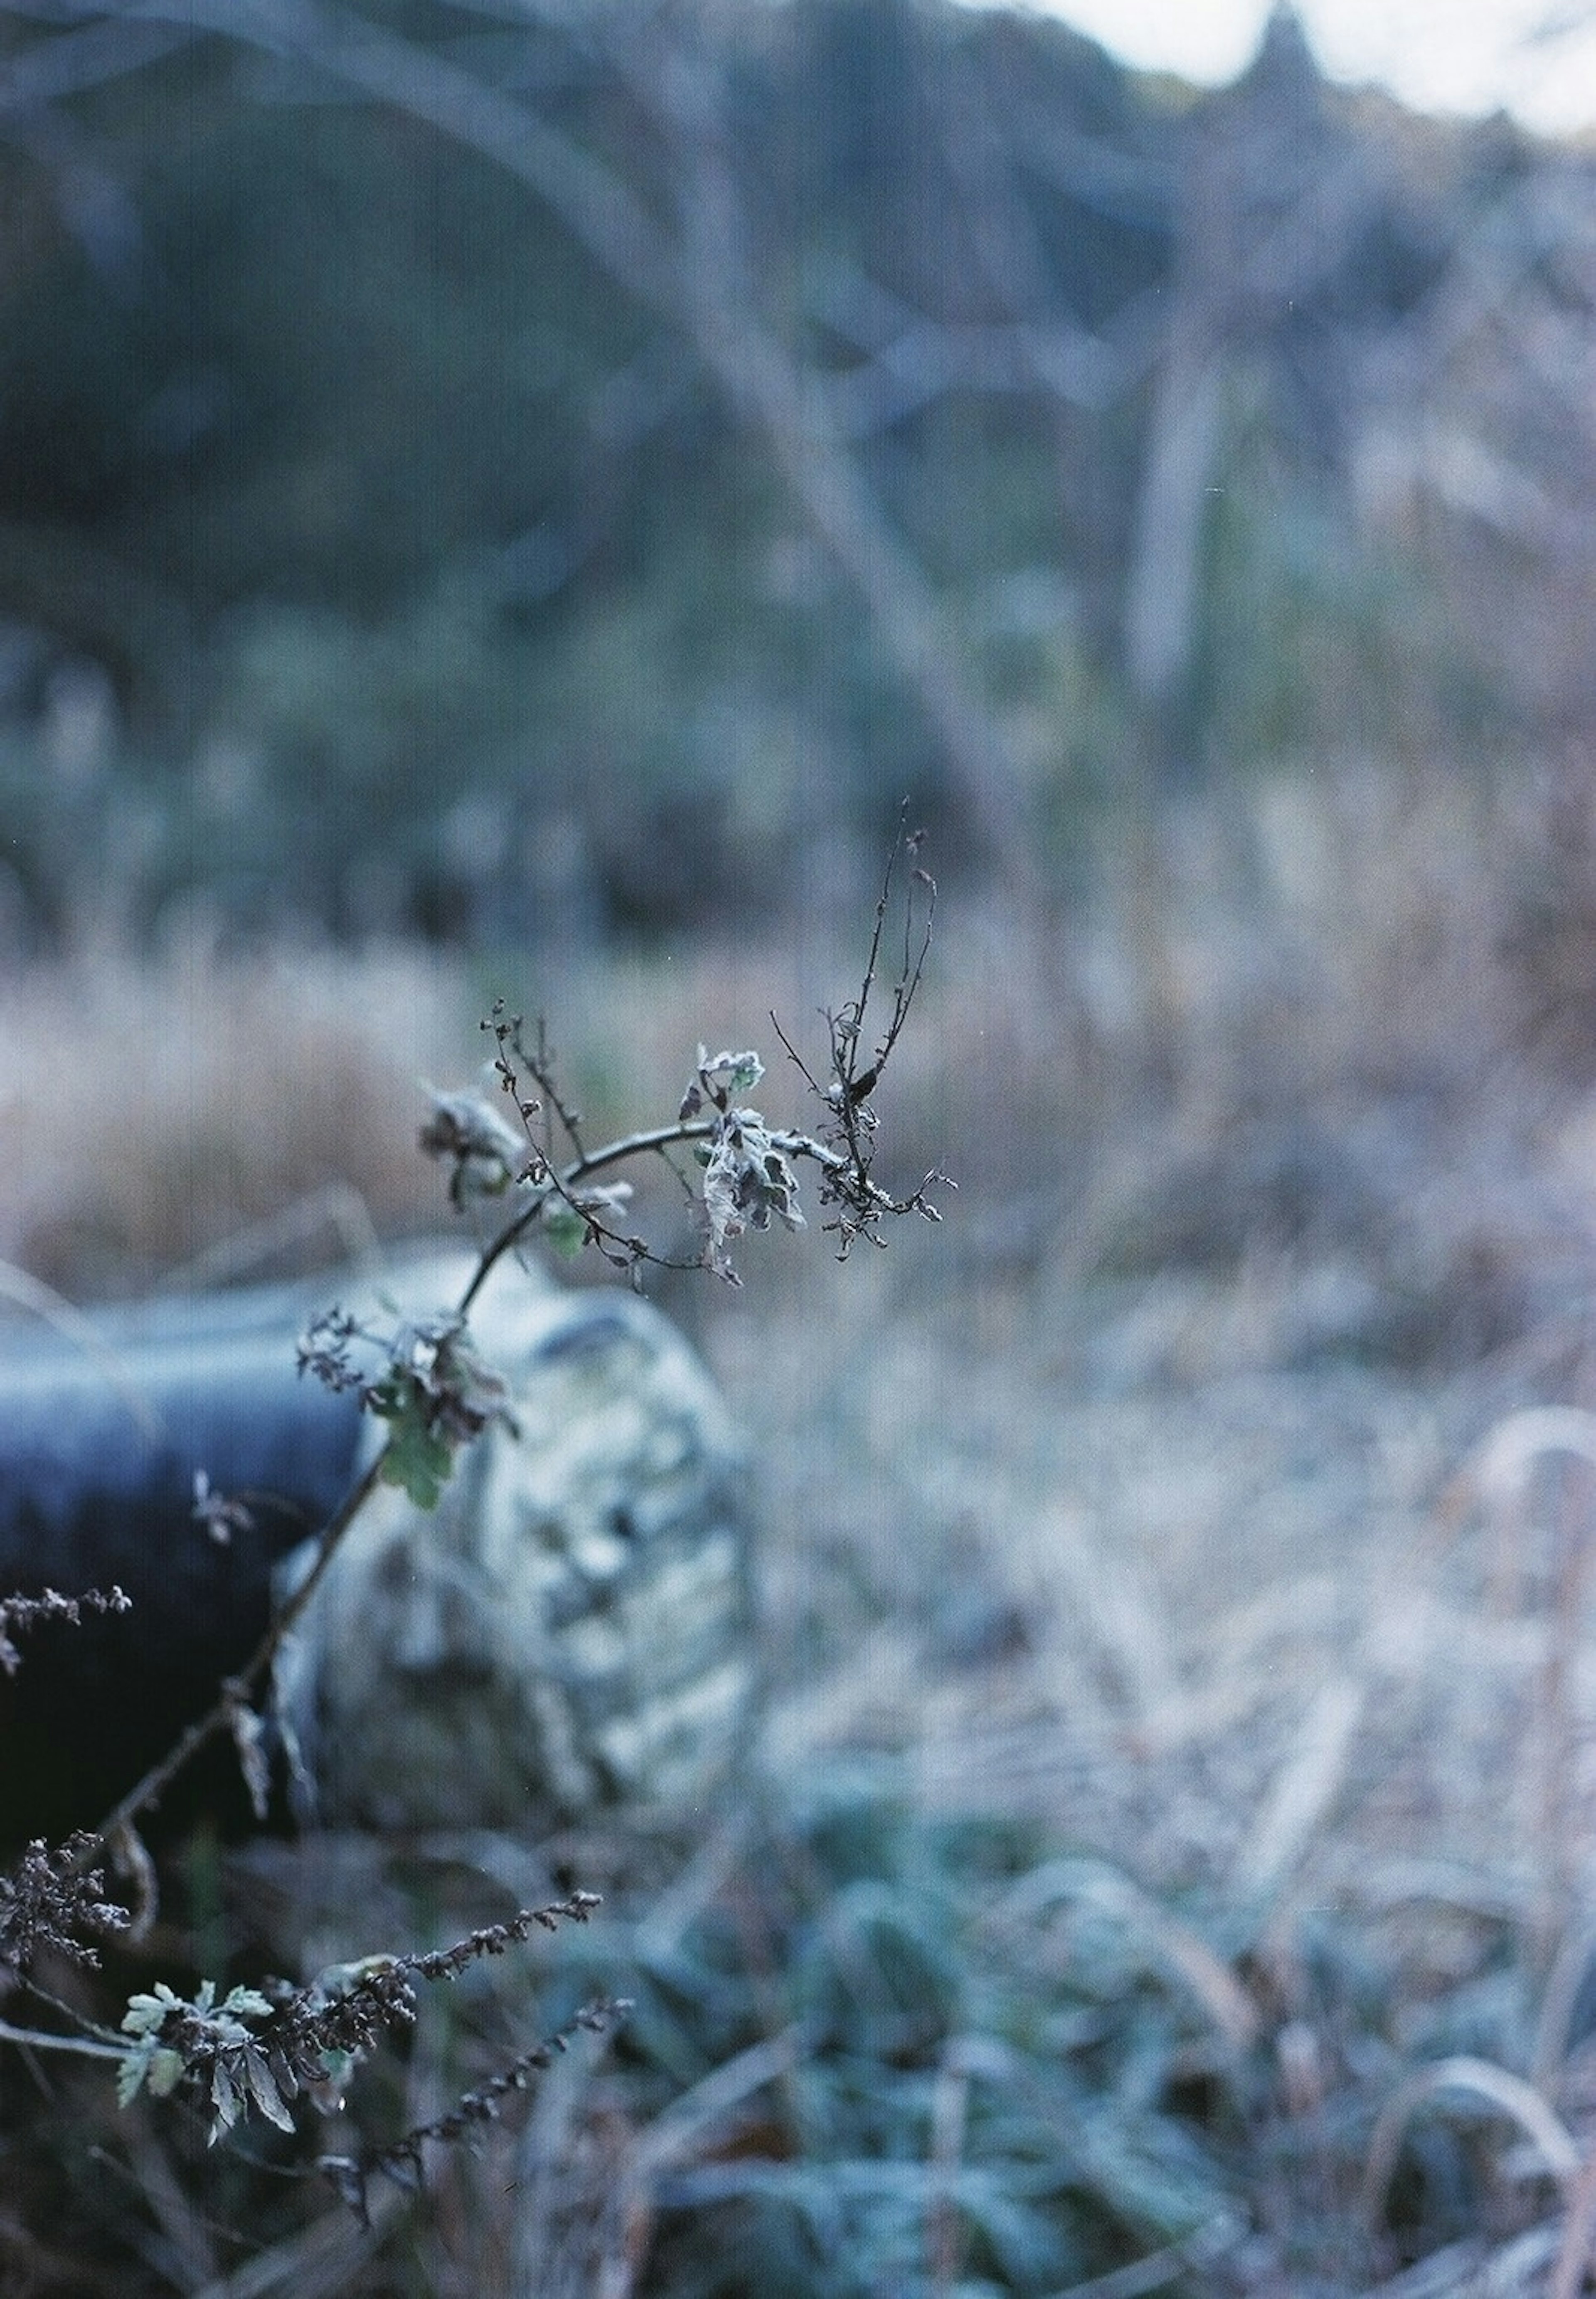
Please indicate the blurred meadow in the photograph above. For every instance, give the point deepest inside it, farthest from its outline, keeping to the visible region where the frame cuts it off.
(501, 500)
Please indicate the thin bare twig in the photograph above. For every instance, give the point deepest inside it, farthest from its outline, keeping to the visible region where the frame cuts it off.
(147, 1791)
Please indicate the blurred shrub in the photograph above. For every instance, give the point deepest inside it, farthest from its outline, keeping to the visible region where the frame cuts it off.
(443, 582)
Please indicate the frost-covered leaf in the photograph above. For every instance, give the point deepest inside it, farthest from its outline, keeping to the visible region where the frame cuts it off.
(335, 1982)
(146, 2014)
(725, 1074)
(166, 2070)
(485, 1149)
(263, 2087)
(132, 2069)
(748, 1182)
(249, 1739)
(244, 2003)
(227, 2099)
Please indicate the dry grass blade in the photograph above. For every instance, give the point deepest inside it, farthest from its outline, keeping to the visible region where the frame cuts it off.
(1509, 2093)
(1569, 1966)
(1504, 1463)
(1229, 2007)
(44, 1302)
(1579, 2234)
(674, 2137)
(1142, 2277)
(962, 2058)
(319, 2261)
(1119, 1609)
(187, 2237)
(338, 1207)
(1236, 1681)
(571, 2230)
(1501, 1473)
(1574, 2254)
(1467, 2270)
(1501, 1476)
(950, 2107)
(1303, 1792)
(682, 2127)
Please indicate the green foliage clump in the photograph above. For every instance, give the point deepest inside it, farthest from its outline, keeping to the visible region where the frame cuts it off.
(961, 2092)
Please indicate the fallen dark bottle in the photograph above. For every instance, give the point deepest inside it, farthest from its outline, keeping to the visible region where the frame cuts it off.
(180, 1457)
(568, 1629)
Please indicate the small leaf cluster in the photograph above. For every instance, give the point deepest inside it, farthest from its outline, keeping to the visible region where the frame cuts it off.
(748, 1176)
(436, 1396)
(174, 2036)
(847, 1149)
(484, 1151)
(486, 1156)
(264, 2048)
(433, 1388)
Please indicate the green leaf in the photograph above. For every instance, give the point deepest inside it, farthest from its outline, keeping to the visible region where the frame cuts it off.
(417, 1461)
(566, 1230)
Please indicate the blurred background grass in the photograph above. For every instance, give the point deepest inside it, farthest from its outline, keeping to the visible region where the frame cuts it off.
(496, 501)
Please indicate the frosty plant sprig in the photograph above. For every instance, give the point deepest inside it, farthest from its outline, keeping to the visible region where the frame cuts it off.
(425, 1380)
(746, 1165)
(430, 1386)
(259, 2051)
(264, 2048)
(432, 1389)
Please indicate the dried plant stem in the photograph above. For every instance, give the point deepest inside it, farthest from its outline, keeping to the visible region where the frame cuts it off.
(42, 1301)
(146, 1793)
(38, 2039)
(651, 1139)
